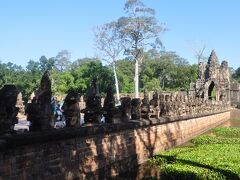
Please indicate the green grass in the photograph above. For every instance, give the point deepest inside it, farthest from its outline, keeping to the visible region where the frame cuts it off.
(206, 139)
(228, 132)
(215, 156)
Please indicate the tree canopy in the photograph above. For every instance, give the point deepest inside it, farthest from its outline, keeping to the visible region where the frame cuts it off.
(160, 70)
(138, 30)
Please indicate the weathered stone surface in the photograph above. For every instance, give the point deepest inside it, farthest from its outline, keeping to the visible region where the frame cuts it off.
(125, 108)
(40, 111)
(8, 109)
(235, 93)
(93, 111)
(136, 109)
(71, 109)
(213, 81)
(145, 106)
(94, 152)
(154, 106)
(109, 108)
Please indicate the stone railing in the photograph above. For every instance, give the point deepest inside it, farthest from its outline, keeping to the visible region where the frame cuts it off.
(98, 151)
(156, 108)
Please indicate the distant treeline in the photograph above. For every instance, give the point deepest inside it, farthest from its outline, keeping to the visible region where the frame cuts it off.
(158, 71)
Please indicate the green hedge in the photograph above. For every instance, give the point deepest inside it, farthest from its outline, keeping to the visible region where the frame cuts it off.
(228, 132)
(214, 156)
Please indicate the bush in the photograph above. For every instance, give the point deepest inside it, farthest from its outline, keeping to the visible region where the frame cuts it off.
(228, 132)
(213, 157)
(206, 139)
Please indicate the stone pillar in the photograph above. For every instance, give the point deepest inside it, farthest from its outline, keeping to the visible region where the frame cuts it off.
(8, 109)
(125, 108)
(93, 111)
(136, 109)
(109, 105)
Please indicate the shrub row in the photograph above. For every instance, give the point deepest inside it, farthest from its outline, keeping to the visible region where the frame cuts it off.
(213, 156)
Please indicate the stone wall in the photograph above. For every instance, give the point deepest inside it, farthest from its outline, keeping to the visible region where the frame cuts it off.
(235, 113)
(95, 152)
(235, 94)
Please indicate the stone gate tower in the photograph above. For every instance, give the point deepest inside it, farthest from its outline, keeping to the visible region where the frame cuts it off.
(213, 80)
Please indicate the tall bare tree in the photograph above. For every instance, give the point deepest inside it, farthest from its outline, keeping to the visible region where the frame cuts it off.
(199, 53)
(108, 43)
(199, 50)
(63, 60)
(138, 31)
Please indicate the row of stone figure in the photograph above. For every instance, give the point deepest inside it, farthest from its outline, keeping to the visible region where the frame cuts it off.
(40, 112)
(161, 105)
(170, 105)
(165, 105)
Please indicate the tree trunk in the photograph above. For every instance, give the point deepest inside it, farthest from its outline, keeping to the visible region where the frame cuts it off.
(116, 82)
(136, 79)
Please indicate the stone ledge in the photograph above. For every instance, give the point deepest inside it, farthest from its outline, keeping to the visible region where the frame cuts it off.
(164, 120)
(9, 141)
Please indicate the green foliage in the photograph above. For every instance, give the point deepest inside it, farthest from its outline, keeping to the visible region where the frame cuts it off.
(236, 75)
(84, 73)
(139, 28)
(206, 139)
(159, 71)
(166, 70)
(46, 64)
(214, 156)
(62, 61)
(33, 67)
(62, 82)
(138, 31)
(230, 132)
(125, 71)
(25, 80)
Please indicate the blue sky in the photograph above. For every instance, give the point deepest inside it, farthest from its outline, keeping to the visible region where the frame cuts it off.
(32, 28)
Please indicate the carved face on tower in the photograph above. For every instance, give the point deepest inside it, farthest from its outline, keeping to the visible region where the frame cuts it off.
(212, 67)
(225, 71)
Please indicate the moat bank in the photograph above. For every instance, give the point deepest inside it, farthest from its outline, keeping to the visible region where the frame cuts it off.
(152, 171)
(99, 151)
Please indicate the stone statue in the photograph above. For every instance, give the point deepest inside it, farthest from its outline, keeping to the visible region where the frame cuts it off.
(166, 106)
(93, 111)
(40, 113)
(161, 104)
(71, 109)
(136, 109)
(125, 108)
(145, 106)
(171, 106)
(8, 109)
(109, 105)
(154, 106)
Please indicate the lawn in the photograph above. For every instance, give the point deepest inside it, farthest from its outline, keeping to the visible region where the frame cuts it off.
(213, 156)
